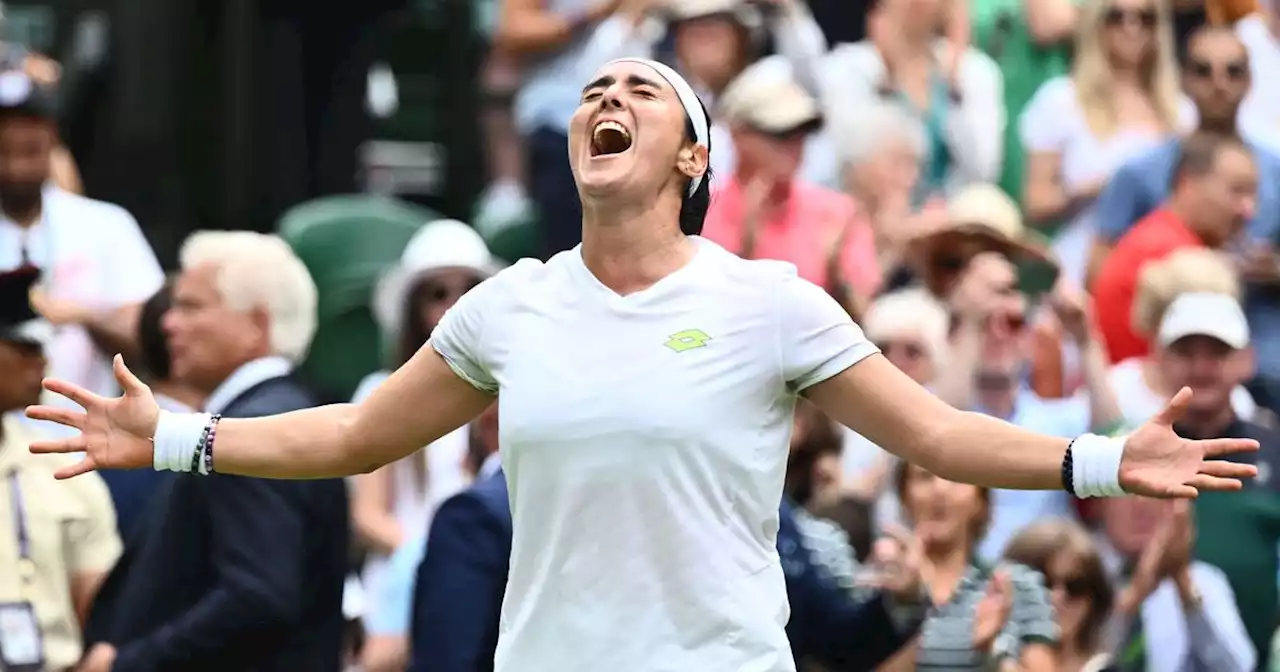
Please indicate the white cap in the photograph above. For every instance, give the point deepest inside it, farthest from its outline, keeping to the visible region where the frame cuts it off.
(767, 98)
(444, 243)
(1209, 314)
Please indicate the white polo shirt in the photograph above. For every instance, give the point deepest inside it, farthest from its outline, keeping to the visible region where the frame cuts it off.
(94, 254)
(644, 439)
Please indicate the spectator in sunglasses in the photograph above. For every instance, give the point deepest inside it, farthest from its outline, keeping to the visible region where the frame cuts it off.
(1064, 553)
(393, 505)
(1120, 100)
(991, 356)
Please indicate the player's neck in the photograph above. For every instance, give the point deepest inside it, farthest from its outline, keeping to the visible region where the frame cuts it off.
(630, 250)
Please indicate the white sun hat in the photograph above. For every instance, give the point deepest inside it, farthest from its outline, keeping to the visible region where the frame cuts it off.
(438, 245)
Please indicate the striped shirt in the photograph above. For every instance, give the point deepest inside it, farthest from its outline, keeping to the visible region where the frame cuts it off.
(946, 639)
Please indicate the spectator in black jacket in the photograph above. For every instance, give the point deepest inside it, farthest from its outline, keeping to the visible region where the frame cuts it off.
(233, 573)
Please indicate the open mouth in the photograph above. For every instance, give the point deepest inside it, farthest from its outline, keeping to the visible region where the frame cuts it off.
(609, 138)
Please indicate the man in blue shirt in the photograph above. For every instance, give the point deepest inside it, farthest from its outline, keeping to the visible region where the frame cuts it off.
(1216, 77)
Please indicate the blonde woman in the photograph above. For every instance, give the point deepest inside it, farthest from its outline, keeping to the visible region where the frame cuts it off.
(1136, 381)
(1120, 99)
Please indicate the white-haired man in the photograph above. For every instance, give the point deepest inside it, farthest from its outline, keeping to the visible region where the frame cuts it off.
(233, 573)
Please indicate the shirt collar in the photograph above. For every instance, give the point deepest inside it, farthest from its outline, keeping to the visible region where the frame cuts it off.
(16, 438)
(490, 466)
(247, 376)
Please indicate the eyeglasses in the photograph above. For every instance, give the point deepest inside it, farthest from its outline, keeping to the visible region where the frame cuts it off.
(1119, 16)
(1202, 69)
(1073, 586)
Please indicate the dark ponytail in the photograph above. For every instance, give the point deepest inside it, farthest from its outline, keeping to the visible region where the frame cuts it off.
(693, 209)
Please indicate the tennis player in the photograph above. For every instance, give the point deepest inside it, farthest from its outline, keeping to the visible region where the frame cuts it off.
(647, 380)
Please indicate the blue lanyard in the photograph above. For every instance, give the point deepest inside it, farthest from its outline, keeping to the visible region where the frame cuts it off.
(26, 566)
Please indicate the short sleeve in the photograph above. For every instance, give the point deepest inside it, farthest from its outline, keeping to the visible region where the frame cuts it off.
(1045, 124)
(461, 337)
(94, 542)
(1031, 616)
(135, 273)
(817, 338)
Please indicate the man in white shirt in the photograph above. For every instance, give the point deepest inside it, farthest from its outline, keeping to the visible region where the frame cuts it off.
(97, 268)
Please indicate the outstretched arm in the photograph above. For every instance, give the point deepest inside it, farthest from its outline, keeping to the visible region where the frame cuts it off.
(878, 401)
(418, 404)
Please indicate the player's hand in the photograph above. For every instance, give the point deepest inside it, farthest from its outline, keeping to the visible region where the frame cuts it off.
(1159, 463)
(114, 433)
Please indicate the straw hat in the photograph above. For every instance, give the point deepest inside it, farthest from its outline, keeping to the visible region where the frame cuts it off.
(984, 211)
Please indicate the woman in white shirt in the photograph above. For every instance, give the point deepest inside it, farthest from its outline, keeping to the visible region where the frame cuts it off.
(1121, 99)
(392, 505)
(1136, 381)
(648, 381)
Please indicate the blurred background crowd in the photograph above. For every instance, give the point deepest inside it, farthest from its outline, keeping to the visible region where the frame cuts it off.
(1058, 212)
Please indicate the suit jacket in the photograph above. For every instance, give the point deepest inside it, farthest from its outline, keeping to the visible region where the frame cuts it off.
(827, 624)
(463, 576)
(458, 595)
(232, 573)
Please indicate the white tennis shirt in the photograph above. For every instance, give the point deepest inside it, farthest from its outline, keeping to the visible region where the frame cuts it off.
(644, 439)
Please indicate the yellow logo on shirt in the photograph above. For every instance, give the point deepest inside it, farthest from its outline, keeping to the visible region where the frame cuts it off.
(687, 340)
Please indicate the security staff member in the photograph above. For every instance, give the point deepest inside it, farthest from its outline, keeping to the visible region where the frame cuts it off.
(57, 538)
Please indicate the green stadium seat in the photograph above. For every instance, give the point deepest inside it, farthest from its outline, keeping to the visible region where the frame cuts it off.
(347, 243)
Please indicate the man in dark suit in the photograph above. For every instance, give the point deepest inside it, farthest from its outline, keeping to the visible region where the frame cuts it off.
(462, 578)
(233, 573)
(463, 575)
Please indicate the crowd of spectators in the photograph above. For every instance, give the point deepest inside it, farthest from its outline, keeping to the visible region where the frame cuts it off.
(1055, 212)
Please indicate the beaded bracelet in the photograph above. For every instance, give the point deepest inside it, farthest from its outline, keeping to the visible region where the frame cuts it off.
(206, 452)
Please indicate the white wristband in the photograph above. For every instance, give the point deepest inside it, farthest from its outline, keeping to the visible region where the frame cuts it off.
(1095, 466)
(177, 440)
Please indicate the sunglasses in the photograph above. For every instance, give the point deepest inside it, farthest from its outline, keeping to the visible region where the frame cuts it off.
(908, 349)
(1119, 16)
(1201, 69)
(1074, 586)
(445, 291)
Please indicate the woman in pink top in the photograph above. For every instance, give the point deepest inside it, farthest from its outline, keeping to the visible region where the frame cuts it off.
(763, 212)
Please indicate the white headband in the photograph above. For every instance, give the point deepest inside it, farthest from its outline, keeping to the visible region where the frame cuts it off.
(688, 100)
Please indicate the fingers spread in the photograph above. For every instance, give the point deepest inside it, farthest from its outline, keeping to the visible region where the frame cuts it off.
(74, 392)
(1224, 469)
(75, 444)
(82, 467)
(1220, 447)
(1174, 410)
(62, 416)
(128, 382)
(1213, 483)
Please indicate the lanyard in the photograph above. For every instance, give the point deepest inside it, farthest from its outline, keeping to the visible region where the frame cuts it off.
(26, 566)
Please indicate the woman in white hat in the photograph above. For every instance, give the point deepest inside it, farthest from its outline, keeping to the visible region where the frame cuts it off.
(648, 382)
(392, 505)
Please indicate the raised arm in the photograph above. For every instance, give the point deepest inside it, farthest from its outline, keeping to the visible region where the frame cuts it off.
(418, 404)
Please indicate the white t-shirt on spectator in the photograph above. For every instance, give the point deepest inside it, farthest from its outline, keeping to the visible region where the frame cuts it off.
(1259, 116)
(1054, 121)
(644, 439)
(94, 254)
(1138, 402)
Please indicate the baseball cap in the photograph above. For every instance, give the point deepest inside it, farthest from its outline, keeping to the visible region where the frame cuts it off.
(768, 99)
(19, 322)
(1217, 316)
(23, 95)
